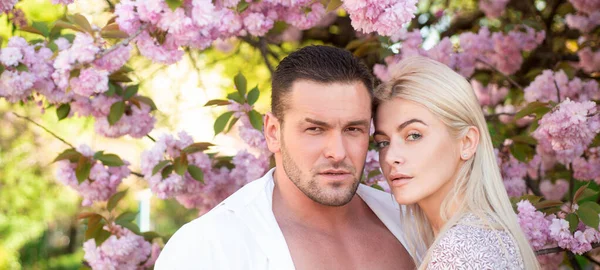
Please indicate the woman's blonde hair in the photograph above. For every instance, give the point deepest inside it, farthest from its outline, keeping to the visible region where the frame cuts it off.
(478, 189)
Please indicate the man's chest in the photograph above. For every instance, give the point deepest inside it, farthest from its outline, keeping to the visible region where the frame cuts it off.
(358, 250)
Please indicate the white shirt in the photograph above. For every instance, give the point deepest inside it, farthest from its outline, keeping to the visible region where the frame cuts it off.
(242, 233)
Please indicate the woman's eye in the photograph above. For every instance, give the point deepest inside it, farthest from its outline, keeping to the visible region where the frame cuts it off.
(382, 144)
(413, 137)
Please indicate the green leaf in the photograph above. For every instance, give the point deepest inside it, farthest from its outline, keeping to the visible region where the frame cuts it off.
(579, 192)
(333, 5)
(376, 186)
(129, 225)
(181, 164)
(149, 236)
(81, 21)
(60, 24)
(547, 204)
(256, 119)
(588, 192)
(197, 147)
(101, 236)
(42, 27)
(253, 95)
(240, 84)
(196, 173)
(94, 225)
(116, 112)
(88, 215)
(573, 222)
(114, 34)
(218, 102)
(174, 4)
(538, 108)
(166, 171)
(84, 166)
(130, 91)
(235, 96)
(522, 152)
(127, 217)
(373, 173)
(71, 154)
(242, 6)
(115, 199)
(221, 122)
(2, 68)
(588, 216)
(231, 123)
(524, 139)
(355, 44)
(75, 73)
(22, 67)
(63, 111)
(593, 205)
(119, 76)
(148, 101)
(111, 160)
(160, 165)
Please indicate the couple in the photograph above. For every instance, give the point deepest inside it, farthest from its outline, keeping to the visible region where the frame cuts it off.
(449, 208)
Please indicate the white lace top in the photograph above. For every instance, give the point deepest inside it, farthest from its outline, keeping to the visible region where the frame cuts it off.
(466, 246)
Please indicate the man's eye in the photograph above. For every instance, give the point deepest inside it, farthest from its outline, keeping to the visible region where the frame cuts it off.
(314, 129)
(354, 129)
(382, 144)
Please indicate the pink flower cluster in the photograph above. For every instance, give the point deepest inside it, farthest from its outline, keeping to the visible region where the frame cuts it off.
(197, 23)
(385, 17)
(589, 60)
(253, 137)
(588, 168)
(534, 224)
(477, 50)
(7, 5)
(372, 164)
(568, 130)
(219, 183)
(493, 8)
(489, 95)
(102, 182)
(579, 242)
(27, 68)
(513, 172)
(544, 231)
(544, 88)
(554, 191)
(587, 17)
(136, 122)
(91, 80)
(122, 250)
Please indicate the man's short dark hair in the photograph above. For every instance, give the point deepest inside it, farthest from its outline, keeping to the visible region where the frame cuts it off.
(321, 64)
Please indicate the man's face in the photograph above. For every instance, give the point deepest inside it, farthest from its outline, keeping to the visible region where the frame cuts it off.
(324, 139)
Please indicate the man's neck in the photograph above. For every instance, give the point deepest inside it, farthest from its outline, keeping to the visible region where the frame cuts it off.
(290, 204)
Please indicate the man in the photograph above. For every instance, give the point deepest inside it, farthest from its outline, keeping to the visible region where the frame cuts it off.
(309, 212)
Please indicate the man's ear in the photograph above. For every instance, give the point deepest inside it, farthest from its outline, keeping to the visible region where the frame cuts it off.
(272, 132)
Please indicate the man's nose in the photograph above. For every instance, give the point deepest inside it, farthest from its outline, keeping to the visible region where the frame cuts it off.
(335, 149)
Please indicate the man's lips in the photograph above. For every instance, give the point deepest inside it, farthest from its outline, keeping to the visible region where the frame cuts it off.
(335, 174)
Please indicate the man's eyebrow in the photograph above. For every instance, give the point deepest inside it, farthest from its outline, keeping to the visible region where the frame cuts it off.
(359, 123)
(401, 126)
(317, 122)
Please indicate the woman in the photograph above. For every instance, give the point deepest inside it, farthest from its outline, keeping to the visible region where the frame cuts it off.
(437, 156)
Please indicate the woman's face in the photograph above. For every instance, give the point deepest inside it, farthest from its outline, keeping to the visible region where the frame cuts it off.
(419, 157)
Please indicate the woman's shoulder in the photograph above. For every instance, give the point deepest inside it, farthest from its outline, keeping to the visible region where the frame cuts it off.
(472, 245)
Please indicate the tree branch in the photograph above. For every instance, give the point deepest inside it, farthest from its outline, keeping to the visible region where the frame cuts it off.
(531, 185)
(589, 258)
(501, 73)
(47, 130)
(559, 249)
(264, 52)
